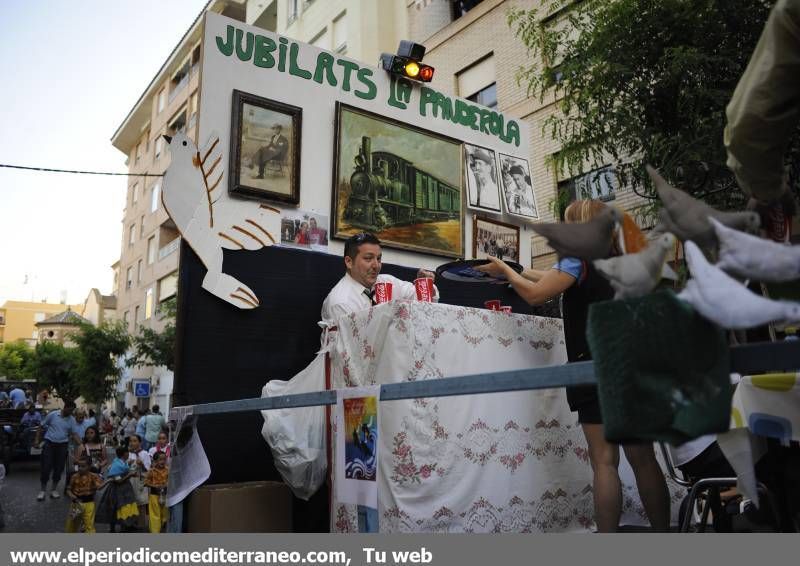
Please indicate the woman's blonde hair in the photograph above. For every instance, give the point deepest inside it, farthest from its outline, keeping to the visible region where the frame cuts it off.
(583, 210)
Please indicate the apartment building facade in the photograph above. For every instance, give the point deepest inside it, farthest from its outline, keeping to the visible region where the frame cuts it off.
(360, 29)
(149, 250)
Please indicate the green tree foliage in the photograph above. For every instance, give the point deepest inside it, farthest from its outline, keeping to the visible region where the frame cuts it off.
(151, 348)
(15, 360)
(641, 81)
(98, 348)
(56, 368)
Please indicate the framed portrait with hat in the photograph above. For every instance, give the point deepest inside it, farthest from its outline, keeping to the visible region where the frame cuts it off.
(483, 181)
(265, 149)
(518, 194)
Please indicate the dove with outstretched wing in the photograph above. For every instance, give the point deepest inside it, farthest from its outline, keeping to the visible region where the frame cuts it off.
(210, 220)
(588, 240)
(723, 300)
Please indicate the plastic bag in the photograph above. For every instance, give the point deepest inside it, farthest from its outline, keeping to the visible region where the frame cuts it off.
(297, 436)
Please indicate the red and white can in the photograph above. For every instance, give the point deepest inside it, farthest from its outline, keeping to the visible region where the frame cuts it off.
(383, 292)
(506, 309)
(424, 286)
(493, 305)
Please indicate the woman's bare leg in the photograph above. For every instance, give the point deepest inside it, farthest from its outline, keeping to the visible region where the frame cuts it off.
(651, 484)
(604, 458)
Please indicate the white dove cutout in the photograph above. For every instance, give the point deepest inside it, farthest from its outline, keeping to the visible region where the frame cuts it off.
(751, 257)
(210, 220)
(723, 300)
(635, 275)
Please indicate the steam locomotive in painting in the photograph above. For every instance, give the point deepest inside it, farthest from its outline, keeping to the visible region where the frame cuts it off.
(387, 190)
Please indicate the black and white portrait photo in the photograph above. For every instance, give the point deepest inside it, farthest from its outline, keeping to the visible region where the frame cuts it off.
(517, 187)
(482, 179)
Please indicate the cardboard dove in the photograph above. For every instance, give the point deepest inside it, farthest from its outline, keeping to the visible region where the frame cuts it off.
(687, 217)
(725, 301)
(635, 275)
(210, 220)
(589, 240)
(751, 257)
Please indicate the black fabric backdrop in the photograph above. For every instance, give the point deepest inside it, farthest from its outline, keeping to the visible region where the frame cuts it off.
(226, 353)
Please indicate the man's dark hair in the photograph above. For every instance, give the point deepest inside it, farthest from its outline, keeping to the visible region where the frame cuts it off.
(156, 408)
(354, 242)
(121, 451)
(69, 404)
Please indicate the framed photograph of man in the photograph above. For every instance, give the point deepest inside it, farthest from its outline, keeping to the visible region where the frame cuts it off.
(265, 149)
(398, 181)
(517, 188)
(498, 239)
(483, 182)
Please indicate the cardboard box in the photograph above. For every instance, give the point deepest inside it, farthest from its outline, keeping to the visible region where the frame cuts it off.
(247, 507)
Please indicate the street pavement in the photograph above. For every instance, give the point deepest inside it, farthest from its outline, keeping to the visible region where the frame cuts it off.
(21, 511)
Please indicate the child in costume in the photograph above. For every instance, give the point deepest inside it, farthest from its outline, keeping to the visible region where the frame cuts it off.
(120, 498)
(156, 480)
(81, 490)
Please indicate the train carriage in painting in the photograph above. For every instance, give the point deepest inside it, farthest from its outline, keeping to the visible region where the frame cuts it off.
(387, 190)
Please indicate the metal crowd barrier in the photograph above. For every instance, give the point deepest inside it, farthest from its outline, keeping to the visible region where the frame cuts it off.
(745, 359)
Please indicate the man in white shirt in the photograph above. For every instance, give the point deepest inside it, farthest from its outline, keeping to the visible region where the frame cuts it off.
(354, 291)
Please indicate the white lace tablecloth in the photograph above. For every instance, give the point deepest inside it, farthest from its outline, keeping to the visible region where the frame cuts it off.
(502, 462)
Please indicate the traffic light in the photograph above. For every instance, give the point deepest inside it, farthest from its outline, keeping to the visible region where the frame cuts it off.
(406, 67)
(408, 62)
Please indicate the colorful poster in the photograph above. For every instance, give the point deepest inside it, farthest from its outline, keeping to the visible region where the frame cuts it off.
(357, 445)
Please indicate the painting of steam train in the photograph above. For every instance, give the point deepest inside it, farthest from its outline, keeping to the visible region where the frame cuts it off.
(401, 183)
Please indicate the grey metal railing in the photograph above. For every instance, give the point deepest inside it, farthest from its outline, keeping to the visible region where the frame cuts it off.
(746, 359)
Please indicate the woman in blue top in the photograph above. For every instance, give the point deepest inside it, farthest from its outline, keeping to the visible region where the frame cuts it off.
(580, 285)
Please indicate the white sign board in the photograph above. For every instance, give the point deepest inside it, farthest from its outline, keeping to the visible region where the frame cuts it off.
(276, 147)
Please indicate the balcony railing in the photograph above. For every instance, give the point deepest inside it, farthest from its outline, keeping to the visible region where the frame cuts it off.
(169, 248)
(178, 88)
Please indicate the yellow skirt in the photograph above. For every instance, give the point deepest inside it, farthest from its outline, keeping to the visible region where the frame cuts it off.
(127, 511)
